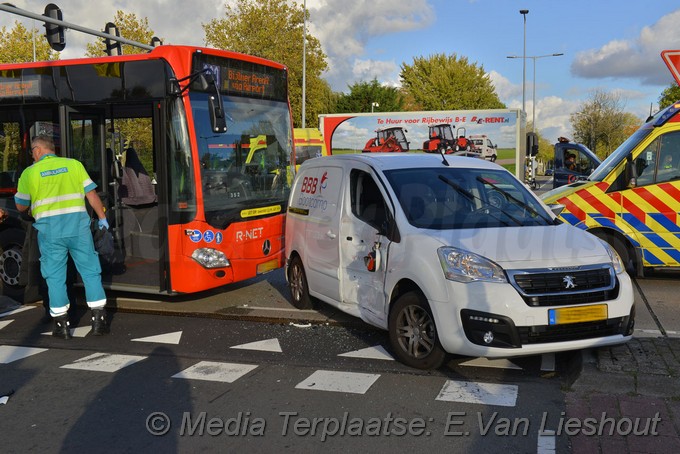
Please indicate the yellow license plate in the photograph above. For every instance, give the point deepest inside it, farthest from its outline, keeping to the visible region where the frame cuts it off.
(579, 314)
(267, 266)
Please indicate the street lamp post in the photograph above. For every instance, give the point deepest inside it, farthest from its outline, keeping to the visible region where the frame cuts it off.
(534, 58)
(524, 13)
(374, 104)
(304, 60)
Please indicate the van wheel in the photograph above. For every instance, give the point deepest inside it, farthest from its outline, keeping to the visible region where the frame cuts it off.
(493, 158)
(413, 334)
(11, 257)
(297, 282)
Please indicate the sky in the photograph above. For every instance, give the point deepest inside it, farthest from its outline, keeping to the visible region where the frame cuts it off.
(607, 45)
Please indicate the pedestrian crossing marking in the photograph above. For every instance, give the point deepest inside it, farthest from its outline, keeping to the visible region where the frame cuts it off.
(16, 311)
(4, 323)
(80, 331)
(168, 338)
(338, 381)
(493, 363)
(479, 393)
(268, 345)
(104, 362)
(10, 353)
(375, 352)
(215, 371)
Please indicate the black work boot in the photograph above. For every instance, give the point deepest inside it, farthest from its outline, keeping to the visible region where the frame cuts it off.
(62, 328)
(99, 325)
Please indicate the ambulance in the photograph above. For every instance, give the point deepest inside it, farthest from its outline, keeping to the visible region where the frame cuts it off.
(632, 199)
(308, 144)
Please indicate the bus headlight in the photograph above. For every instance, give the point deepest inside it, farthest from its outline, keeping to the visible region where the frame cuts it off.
(210, 258)
(463, 266)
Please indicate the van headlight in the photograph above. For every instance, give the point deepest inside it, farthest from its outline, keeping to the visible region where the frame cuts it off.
(616, 261)
(463, 266)
(210, 258)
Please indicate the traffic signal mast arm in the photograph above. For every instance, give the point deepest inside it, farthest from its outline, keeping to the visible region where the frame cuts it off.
(66, 25)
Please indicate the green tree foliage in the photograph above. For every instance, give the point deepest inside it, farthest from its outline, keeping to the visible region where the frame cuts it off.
(273, 29)
(669, 95)
(130, 27)
(362, 94)
(601, 124)
(17, 46)
(448, 82)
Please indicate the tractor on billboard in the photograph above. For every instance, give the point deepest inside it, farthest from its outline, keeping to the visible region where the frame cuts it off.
(387, 140)
(442, 140)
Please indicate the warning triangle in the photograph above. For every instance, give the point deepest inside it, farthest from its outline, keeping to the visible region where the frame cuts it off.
(269, 345)
(169, 338)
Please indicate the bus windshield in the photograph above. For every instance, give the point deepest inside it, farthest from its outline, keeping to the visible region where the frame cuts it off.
(248, 166)
(613, 160)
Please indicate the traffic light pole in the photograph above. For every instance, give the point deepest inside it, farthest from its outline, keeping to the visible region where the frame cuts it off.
(66, 25)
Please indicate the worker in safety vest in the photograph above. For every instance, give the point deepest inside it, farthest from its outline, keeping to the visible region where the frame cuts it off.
(54, 188)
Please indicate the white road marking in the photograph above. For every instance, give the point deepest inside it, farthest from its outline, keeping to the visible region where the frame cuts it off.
(16, 311)
(268, 345)
(338, 381)
(479, 393)
(546, 442)
(9, 353)
(104, 362)
(375, 352)
(80, 331)
(5, 323)
(214, 371)
(493, 363)
(168, 338)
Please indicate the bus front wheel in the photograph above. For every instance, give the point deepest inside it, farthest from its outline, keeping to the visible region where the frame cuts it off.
(11, 257)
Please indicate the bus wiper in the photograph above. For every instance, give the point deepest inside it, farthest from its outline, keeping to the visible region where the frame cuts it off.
(516, 200)
(471, 197)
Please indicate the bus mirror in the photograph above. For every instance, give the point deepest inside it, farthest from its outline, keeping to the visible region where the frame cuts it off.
(53, 32)
(217, 118)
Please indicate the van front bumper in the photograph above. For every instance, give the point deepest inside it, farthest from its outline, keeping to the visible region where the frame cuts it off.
(493, 320)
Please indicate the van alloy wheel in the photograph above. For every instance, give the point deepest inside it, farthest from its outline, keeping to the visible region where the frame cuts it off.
(413, 333)
(297, 283)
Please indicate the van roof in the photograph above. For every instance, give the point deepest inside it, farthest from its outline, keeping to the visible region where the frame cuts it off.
(390, 161)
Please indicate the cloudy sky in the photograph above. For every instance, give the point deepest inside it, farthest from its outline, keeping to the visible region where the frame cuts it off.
(607, 44)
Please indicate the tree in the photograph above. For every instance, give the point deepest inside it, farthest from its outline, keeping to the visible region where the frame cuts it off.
(18, 45)
(130, 27)
(362, 95)
(601, 124)
(669, 95)
(273, 29)
(447, 82)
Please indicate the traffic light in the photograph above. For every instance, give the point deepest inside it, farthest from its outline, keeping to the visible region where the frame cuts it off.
(532, 144)
(53, 32)
(112, 46)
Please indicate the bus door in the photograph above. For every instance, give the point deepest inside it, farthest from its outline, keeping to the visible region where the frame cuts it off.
(651, 207)
(119, 168)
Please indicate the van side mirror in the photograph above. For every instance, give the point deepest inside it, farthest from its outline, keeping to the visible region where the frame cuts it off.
(556, 208)
(631, 173)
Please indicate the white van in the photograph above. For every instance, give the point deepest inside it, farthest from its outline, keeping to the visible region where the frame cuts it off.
(484, 146)
(450, 255)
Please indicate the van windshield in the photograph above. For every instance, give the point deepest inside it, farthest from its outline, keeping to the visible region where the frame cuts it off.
(460, 198)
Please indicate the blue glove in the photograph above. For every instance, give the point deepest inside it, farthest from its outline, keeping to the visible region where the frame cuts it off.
(103, 224)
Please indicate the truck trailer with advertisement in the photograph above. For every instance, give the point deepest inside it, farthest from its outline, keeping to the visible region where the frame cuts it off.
(348, 132)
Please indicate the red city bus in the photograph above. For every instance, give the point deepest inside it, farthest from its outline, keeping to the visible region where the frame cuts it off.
(167, 137)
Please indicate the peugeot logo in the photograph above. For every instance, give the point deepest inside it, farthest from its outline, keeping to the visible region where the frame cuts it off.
(266, 247)
(569, 281)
